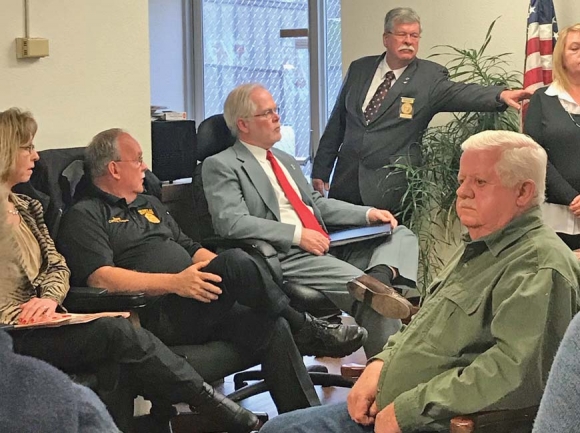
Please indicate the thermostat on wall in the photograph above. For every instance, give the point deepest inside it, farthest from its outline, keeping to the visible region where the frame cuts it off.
(27, 48)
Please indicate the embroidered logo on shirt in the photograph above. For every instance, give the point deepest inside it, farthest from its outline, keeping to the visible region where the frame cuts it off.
(150, 215)
(118, 220)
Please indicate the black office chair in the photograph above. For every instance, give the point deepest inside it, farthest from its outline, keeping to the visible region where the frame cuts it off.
(57, 181)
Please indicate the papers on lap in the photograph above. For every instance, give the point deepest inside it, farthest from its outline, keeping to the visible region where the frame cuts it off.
(358, 234)
(70, 319)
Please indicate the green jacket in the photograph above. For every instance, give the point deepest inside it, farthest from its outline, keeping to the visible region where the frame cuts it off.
(488, 330)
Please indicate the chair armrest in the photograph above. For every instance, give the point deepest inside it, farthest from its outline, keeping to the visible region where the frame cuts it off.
(95, 300)
(501, 421)
(257, 248)
(352, 370)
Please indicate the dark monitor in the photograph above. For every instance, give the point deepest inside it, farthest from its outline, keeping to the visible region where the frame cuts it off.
(173, 148)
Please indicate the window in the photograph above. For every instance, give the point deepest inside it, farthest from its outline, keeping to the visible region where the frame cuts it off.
(266, 41)
(201, 49)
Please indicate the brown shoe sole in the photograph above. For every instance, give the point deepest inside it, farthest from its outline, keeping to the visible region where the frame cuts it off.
(391, 304)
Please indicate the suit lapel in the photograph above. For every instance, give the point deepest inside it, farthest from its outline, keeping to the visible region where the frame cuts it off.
(365, 88)
(258, 177)
(395, 91)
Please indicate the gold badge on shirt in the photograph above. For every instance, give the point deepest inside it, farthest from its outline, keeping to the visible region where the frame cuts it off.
(150, 215)
(406, 110)
(118, 220)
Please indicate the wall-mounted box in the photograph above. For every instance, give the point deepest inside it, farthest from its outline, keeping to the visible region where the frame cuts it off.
(27, 48)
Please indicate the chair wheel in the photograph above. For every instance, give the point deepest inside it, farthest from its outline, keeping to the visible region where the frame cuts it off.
(317, 369)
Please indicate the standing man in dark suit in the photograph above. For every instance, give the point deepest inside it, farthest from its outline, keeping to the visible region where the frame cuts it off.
(385, 104)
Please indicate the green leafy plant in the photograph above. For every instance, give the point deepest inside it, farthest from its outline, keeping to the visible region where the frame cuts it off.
(429, 202)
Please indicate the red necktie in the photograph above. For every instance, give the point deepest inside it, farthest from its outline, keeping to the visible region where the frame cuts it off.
(307, 218)
(380, 94)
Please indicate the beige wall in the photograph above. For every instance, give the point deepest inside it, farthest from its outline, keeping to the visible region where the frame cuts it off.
(97, 75)
(462, 23)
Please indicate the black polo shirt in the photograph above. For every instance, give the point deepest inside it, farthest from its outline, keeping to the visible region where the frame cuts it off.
(105, 230)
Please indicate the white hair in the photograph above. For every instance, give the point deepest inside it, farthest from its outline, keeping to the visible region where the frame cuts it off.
(400, 16)
(239, 105)
(521, 158)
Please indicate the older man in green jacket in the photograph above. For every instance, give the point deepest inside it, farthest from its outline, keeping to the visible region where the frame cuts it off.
(490, 324)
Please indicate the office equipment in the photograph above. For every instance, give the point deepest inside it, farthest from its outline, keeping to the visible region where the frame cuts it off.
(173, 148)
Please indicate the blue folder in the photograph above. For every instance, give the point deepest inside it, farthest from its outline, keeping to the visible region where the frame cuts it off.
(358, 234)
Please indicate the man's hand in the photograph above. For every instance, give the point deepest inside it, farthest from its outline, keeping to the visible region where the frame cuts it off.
(513, 97)
(36, 310)
(387, 421)
(575, 206)
(383, 216)
(314, 242)
(320, 186)
(192, 283)
(361, 403)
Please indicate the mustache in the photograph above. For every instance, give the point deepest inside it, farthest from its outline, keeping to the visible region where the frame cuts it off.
(406, 47)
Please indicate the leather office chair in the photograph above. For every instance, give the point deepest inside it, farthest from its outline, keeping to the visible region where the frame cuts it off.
(55, 183)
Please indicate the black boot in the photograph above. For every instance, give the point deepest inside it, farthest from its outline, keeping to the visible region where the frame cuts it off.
(320, 338)
(224, 412)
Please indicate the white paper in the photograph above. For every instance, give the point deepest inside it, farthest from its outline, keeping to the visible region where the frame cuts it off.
(560, 218)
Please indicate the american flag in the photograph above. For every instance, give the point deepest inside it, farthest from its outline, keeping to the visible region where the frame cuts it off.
(541, 37)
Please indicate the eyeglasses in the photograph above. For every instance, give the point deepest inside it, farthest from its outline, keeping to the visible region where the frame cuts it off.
(402, 35)
(268, 114)
(138, 161)
(28, 148)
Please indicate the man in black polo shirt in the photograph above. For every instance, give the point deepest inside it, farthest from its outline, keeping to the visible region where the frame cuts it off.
(122, 240)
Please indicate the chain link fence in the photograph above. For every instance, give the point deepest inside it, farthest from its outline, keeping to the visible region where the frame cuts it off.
(242, 44)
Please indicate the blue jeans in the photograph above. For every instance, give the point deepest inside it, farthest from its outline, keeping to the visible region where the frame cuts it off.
(332, 418)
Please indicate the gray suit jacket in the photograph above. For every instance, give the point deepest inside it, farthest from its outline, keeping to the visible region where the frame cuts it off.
(243, 205)
(363, 150)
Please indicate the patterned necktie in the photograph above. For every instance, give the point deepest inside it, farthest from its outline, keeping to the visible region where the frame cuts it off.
(379, 96)
(307, 218)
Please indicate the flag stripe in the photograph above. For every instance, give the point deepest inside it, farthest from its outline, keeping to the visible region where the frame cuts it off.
(540, 40)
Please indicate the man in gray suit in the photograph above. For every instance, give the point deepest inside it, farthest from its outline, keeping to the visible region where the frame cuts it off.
(385, 104)
(254, 191)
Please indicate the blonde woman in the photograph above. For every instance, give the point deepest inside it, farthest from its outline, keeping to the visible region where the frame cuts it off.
(553, 120)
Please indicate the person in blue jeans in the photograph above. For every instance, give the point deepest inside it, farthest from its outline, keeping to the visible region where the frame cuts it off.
(558, 410)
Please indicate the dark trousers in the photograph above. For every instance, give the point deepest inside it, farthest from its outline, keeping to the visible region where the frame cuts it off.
(155, 371)
(245, 314)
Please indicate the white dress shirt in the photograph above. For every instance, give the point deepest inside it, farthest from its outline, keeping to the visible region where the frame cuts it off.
(379, 77)
(287, 213)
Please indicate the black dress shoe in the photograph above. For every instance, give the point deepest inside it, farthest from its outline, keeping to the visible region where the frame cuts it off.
(319, 338)
(224, 412)
(382, 298)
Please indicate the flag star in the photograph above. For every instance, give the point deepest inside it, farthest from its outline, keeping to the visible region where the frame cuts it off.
(532, 9)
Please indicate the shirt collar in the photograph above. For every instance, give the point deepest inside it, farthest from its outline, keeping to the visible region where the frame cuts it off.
(18, 203)
(555, 90)
(113, 200)
(258, 152)
(384, 68)
(499, 240)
